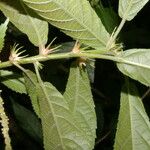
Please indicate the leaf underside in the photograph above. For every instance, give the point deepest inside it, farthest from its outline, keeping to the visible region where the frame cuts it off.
(140, 70)
(128, 9)
(133, 129)
(76, 18)
(25, 20)
(59, 128)
(79, 97)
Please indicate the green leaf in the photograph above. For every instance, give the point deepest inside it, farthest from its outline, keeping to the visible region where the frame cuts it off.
(90, 66)
(13, 81)
(128, 9)
(136, 64)
(109, 18)
(3, 28)
(30, 83)
(133, 129)
(25, 20)
(76, 18)
(65, 47)
(59, 127)
(79, 97)
(28, 121)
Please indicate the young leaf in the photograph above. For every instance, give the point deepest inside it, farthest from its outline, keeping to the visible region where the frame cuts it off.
(136, 64)
(28, 121)
(30, 83)
(59, 127)
(3, 28)
(25, 20)
(128, 9)
(13, 81)
(79, 97)
(133, 129)
(76, 18)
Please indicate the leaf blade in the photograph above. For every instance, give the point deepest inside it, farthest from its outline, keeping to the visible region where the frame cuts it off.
(27, 22)
(136, 64)
(13, 81)
(3, 28)
(128, 9)
(79, 97)
(133, 129)
(76, 18)
(59, 130)
(30, 83)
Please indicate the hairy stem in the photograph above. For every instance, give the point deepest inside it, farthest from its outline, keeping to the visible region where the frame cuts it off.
(38, 74)
(40, 58)
(58, 56)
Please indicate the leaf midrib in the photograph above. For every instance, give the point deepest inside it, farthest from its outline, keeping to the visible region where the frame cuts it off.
(127, 10)
(86, 27)
(76, 91)
(132, 63)
(131, 107)
(34, 26)
(43, 86)
(130, 110)
(78, 21)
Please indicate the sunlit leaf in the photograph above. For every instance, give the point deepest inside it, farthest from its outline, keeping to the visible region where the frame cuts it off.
(128, 9)
(3, 28)
(30, 83)
(133, 129)
(74, 17)
(13, 81)
(25, 20)
(79, 97)
(136, 64)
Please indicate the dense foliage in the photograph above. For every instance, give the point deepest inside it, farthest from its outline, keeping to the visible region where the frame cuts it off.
(77, 91)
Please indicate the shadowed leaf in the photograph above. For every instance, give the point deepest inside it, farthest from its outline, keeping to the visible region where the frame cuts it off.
(133, 129)
(25, 20)
(30, 83)
(13, 81)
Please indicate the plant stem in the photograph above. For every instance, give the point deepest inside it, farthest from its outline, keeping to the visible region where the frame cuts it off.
(38, 75)
(71, 55)
(58, 56)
